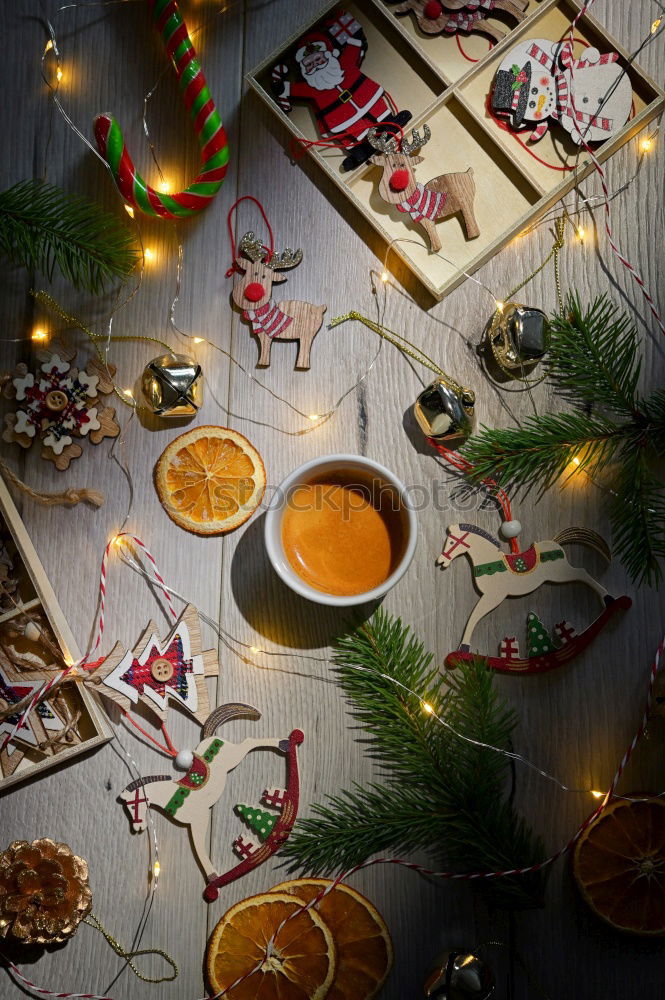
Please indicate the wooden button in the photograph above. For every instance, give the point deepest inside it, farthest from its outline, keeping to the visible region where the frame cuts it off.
(56, 400)
(162, 669)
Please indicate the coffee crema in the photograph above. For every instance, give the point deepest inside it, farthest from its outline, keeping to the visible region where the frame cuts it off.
(343, 536)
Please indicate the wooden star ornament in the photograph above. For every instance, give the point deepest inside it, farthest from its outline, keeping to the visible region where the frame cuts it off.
(161, 672)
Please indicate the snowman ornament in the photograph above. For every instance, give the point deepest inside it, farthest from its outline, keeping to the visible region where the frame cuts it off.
(540, 80)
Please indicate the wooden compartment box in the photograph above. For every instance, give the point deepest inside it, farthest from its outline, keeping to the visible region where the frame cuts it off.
(434, 78)
(34, 640)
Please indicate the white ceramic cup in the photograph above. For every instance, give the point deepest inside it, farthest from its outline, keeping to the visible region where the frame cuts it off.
(329, 464)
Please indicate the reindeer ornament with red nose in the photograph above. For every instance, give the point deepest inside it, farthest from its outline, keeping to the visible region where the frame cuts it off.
(429, 203)
(256, 272)
(452, 16)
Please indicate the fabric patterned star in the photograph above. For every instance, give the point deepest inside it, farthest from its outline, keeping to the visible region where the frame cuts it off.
(59, 403)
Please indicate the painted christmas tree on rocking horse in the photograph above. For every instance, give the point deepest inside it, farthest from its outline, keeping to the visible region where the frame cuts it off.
(498, 575)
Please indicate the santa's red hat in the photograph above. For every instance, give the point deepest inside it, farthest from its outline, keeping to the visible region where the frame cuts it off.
(315, 40)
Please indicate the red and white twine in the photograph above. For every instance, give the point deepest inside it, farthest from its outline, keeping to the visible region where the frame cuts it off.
(606, 194)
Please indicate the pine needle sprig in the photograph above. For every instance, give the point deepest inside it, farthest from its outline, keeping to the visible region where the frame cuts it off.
(593, 357)
(594, 362)
(45, 229)
(440, 792)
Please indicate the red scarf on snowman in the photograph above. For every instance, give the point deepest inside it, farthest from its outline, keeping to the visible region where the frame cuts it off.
(565, 104)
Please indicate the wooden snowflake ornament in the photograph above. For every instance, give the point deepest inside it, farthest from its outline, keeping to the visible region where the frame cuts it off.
(161, 672)
(59, 403)
(498, 575)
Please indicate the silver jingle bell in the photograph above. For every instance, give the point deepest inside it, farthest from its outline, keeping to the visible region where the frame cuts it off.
(444, 411)
(172, 385)
(460, 975)
(516, 338)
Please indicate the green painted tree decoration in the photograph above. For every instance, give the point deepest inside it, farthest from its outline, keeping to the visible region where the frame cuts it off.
(258, 820)
(538, 638)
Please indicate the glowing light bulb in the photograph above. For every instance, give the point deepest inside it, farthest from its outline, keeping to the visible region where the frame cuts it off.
(500, 305)
(149, 254)
(598, 795)
(581, 233)
(576, 460)
(656, 25)
(116, 541)
(49, 45)
(384, 276)
(130, 211)
(164, 186)
(314, 416)
(156, 869)
(58, 74)
(646, 145)
(39, 334)
(255, 649)
(128, 393)
(427, 708)
(197, 340)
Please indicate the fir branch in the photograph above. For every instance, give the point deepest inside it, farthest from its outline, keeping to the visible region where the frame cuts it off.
(45, 229)
(593, 356)
(593, 361)
(440, 791)
(637, 515)
(538, 452)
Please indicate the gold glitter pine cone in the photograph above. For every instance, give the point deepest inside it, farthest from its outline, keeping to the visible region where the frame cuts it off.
(44, 892)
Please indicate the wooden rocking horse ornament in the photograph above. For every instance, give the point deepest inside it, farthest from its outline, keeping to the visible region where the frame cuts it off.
(428, 203)
(188, 800)
(256, 272)
(498, 575)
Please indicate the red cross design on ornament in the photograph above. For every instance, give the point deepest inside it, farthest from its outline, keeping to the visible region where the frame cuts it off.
(458, 541)
(133, 804)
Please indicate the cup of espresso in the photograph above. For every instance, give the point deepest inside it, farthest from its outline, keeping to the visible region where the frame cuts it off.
(341, 530)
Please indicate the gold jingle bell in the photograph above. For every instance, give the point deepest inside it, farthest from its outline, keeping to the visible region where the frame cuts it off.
(444, 411)
(515, 339)
(172, 386)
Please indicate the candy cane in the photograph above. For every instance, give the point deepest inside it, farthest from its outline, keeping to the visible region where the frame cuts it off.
(207, 123)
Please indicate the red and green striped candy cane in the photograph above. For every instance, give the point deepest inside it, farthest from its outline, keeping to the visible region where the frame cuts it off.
(207, 123)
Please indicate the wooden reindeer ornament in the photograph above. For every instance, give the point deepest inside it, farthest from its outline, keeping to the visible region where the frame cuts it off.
(498, 575)
(256, 272)
(188, 801)
(428, 203)
(452, 16)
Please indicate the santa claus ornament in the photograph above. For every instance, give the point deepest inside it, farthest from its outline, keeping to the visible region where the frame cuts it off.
(540, 80)
(324, 69)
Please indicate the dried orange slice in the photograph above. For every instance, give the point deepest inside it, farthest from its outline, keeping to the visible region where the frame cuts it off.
(619, 865)
(302, 962)
(210, 480)
(364, 948)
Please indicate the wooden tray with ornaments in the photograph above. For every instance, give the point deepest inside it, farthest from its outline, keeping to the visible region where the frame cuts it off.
(35, 643)
(499, 148)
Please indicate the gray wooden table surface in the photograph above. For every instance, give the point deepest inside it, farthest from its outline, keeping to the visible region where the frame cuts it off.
(574, 723)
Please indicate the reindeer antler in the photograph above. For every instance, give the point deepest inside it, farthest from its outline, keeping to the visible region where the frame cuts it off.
(382, 142)
(252, 247)
(416, 141)
(287, 258)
